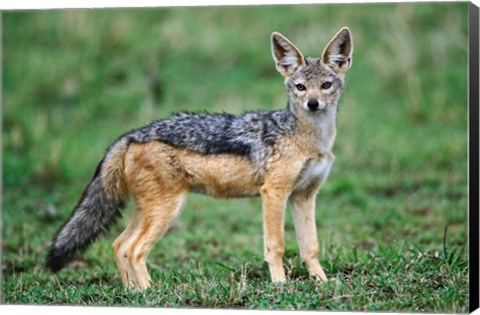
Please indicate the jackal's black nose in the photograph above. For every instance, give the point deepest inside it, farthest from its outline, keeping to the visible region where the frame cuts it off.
(312, 104)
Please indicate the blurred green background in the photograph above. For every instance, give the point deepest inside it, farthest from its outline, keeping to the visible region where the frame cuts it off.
(74, 80)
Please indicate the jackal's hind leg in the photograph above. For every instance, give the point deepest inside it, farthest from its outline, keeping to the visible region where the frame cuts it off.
(156, 215)
(121, 248)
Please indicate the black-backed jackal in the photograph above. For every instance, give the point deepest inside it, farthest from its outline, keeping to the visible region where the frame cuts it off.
(283, 155)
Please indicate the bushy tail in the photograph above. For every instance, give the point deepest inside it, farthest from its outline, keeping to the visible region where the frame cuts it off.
(99, 205)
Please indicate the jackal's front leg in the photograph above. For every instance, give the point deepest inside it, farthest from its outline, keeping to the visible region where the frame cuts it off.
(274, 203)
(303, 210)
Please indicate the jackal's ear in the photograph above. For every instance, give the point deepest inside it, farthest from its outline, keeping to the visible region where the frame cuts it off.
(288, 58)
(338, 53)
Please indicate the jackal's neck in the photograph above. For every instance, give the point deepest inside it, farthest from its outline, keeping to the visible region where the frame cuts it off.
(316, 131)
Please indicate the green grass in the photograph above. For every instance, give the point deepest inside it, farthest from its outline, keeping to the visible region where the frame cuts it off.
(392, 218)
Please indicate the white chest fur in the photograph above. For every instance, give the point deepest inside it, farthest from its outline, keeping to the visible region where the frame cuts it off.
(314, 171)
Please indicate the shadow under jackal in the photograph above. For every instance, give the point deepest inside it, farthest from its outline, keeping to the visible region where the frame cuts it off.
(282, 155)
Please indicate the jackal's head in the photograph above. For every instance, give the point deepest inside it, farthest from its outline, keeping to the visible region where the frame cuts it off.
(313, 84)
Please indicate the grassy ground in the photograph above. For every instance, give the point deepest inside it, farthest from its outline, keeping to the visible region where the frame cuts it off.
(392, 216)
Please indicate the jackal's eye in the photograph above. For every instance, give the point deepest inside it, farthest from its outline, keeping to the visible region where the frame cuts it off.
(300, 87)
(326, 85)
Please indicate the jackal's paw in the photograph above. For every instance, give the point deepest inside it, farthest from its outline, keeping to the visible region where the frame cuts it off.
(278, 278)
(319, 275)
(138, 287)
(315, 271)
